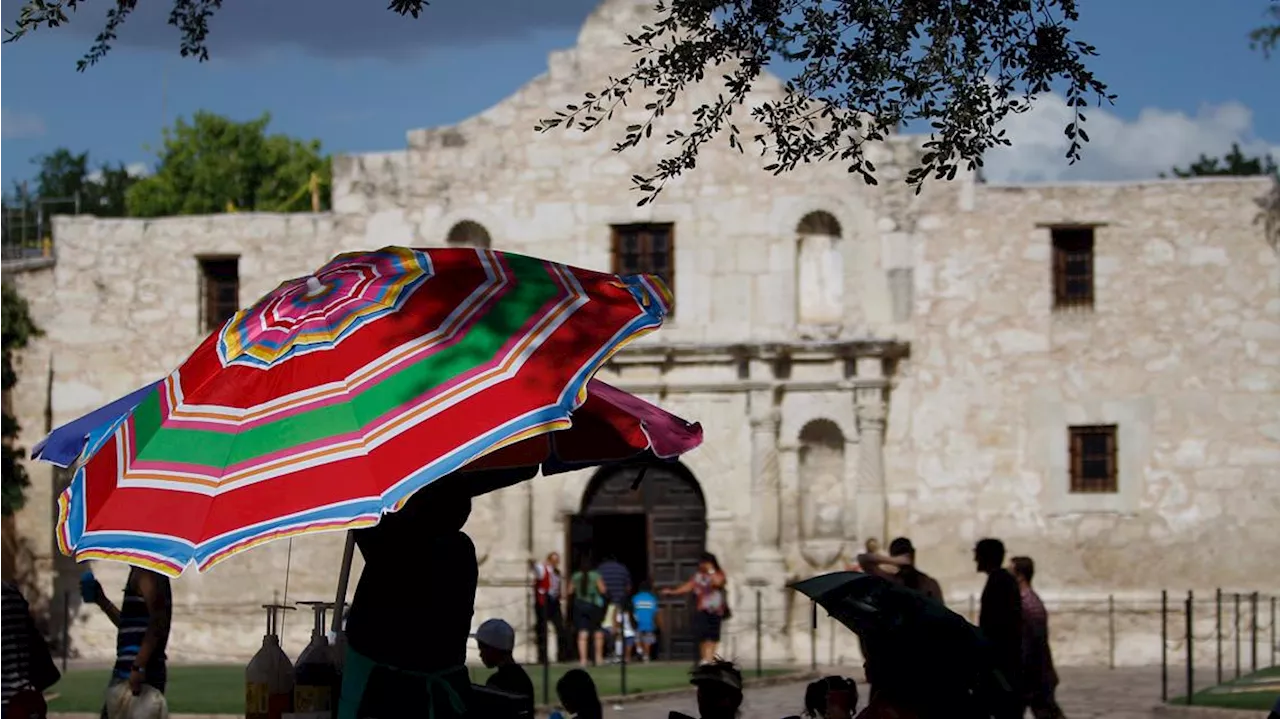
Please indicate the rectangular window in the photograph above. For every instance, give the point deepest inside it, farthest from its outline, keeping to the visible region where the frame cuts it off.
(1093, 459)
(1072, 267)
(219, 290)
(645, 248)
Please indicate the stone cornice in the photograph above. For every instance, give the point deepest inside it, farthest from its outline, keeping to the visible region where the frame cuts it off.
(712, 352)
(849, 384)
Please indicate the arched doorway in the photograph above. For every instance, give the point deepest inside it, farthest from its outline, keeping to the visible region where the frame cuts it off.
(657, 530)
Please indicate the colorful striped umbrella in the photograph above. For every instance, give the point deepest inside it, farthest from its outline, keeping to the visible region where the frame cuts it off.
(336, 396)
(611, 427)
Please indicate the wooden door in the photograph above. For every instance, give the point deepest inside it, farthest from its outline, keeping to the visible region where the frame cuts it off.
(675, 512)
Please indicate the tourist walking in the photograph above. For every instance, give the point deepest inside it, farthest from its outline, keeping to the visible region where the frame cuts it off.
(644, 607)
(617, 589)
(708, 588)
(586, 596)
(578, 695)
(1039, 678)
(546, 590)
(497, 642)
(1000, 619)
(142, 627)
(28, 668)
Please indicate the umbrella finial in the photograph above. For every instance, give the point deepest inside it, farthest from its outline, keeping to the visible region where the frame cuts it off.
(314, 286)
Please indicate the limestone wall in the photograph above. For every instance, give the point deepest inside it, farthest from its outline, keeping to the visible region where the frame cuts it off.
(1182, 350)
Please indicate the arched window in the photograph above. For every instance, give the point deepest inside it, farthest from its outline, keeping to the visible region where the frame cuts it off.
(468, 234)
(822, 492)
(819, 272)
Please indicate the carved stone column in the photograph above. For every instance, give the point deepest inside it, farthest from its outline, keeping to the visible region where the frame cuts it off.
(869, 396)
(789, 497)
(766, 508)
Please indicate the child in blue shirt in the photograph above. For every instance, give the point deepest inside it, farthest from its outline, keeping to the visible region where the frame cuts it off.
(644, 607)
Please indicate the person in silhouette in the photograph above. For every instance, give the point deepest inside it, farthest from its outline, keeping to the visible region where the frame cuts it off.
(719, 685)
(831, 698)
(1000, 619)
(410, 619)
(578, 695)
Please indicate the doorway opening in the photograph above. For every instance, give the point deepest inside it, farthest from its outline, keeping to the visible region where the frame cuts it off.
(657, 530)
(623, 536)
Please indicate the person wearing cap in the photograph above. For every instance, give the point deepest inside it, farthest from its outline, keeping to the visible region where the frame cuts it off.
(497, 640)
(719, 685)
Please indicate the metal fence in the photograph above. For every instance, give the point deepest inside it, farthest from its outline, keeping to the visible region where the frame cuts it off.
(27, 226)
(1232, 632)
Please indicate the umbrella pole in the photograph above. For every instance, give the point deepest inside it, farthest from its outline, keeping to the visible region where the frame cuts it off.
(348, 553)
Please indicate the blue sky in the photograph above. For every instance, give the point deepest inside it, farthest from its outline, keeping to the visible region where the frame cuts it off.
(358, 77)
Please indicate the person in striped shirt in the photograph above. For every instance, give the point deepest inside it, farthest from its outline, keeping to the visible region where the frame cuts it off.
(28, 665)
(142, 626)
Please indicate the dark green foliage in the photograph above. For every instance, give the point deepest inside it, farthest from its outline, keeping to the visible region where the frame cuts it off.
(1234, 163)
(16, 330)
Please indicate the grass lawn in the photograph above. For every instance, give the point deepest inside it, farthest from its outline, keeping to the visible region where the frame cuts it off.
(1257, 691)
(219, 689)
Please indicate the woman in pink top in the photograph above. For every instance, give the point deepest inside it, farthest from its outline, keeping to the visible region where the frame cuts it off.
(708, 587)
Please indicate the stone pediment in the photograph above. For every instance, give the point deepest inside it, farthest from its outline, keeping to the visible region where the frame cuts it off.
(601, 52)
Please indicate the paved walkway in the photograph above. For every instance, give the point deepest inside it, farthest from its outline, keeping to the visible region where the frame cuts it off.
(1085, 693)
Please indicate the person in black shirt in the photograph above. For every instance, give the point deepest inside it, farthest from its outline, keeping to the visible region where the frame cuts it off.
(497, 640)
(411, 615)
(1000, 619)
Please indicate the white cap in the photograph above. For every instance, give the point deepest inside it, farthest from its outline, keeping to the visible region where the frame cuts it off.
(497, 634)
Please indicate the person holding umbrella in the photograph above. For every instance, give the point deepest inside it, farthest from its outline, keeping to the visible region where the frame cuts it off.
(409, 624)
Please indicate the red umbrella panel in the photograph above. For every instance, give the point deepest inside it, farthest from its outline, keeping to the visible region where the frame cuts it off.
(338, 395)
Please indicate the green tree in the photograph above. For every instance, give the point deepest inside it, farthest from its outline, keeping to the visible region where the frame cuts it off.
(16, 331)
(212, 164)
(1234, 163)
(864, 68)
(65, 176)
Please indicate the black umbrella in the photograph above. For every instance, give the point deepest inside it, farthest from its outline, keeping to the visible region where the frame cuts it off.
(918, 652)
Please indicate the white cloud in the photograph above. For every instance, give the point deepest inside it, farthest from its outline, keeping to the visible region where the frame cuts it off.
(135, 169)
(1119, 149)
(20, 125)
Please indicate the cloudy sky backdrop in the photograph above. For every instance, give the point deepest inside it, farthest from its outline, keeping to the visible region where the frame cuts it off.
(357, 77)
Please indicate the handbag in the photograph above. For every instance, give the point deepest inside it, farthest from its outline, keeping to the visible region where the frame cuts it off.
(42, 671)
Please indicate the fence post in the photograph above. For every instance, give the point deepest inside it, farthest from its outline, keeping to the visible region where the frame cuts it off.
(1217, 600)
(831, 642)
(1253, 632)
(622, 661)
(1273, 631)
(1164, 645)
(759, 633)
(1191, 654)
(1236, 621)
(546, 683)
(1111, 629)
(813, 636)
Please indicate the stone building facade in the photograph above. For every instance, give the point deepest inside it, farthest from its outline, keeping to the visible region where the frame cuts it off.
(1089, 371)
